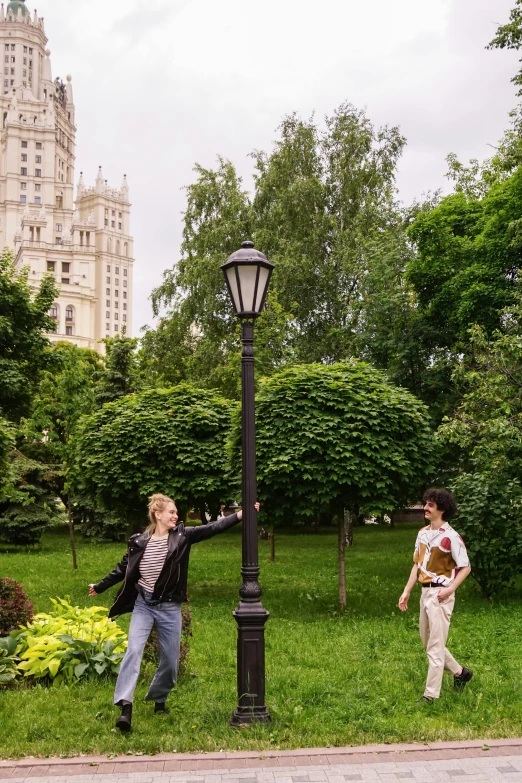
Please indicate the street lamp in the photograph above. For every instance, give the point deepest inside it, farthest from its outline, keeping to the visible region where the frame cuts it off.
(247, 274)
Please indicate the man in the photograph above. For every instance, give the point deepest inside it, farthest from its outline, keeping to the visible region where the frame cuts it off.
(441, 564)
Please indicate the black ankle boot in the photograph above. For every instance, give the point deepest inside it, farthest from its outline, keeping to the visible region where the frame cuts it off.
(159, 706)
(124, 722)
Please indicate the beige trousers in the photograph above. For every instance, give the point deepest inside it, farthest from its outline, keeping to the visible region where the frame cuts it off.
(434, 623)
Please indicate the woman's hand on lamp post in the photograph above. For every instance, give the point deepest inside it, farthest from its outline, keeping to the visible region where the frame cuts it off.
(240, 513)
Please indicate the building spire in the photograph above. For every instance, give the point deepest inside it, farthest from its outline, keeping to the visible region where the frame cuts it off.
(99, 181)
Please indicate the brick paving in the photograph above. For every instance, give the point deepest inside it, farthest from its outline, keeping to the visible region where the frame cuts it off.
(489, 761)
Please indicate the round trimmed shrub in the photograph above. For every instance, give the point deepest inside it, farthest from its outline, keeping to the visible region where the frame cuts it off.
(15, 607)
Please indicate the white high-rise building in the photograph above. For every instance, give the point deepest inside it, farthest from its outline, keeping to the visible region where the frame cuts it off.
(88, 249)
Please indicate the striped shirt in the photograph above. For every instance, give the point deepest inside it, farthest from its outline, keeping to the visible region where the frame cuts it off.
(153, 560)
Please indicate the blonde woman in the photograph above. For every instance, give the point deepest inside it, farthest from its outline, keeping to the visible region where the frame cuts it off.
(154, 572)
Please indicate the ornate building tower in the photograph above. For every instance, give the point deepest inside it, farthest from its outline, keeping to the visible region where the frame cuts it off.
(89, 251)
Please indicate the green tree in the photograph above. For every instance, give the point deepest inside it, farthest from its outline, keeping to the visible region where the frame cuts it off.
(322, 198)
(465, 271)
(28, 506)
(486, 431)
(6, 446)
(120, 374)
(23, 346)
(509, 36)
(161, 440)
(63, 396)
(338, 437)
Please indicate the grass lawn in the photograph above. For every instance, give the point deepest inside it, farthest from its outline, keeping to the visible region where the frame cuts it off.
(332, 678)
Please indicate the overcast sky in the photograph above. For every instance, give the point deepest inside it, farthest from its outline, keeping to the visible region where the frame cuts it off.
(160, 85)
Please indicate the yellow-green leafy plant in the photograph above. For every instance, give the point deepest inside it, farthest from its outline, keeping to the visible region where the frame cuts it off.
(8, 661)
(70, 643)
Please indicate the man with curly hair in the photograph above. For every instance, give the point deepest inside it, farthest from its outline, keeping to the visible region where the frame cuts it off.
(441, 564)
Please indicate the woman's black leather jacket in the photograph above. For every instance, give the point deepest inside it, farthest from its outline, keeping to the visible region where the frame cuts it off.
(172, 581)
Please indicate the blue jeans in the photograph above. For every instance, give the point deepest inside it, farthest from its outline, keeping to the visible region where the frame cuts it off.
(168, 624)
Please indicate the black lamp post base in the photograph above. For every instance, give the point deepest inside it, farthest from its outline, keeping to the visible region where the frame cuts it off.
(251, 617)
(243, 716)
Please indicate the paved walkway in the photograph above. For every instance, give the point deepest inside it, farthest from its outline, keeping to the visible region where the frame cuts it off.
(489, 761)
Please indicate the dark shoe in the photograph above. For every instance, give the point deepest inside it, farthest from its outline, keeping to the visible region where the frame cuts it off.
(159, 706)
(424, 700)
(460, 680)
(124, 722)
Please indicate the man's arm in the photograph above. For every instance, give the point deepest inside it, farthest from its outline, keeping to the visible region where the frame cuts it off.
(410, 584)
(447, 591)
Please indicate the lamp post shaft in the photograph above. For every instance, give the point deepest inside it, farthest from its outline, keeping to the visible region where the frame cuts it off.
(250, 614)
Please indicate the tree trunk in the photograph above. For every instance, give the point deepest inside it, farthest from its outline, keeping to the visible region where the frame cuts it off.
(70, 522)
(202, 509)
(271, 536)
(348, 527)
(340, 553)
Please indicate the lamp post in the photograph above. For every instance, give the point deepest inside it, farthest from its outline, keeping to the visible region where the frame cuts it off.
(247, 274)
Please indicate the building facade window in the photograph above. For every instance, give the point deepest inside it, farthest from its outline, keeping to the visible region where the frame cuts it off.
(6, 82)
(112, 223)
(124, 293)
(107, 303)
(116, 304)
(116, 281)
(125, 305)
(115, 327)
(38, 145)
(68, 330)
(125, 273)
(58, 226)
(116, 292)
(24, 156)
(115, 316)
(65, 280)
(125, 284)
(23, 185)
(124, 317)
(107, 327)
(107, 314)
(23, 199)
(50, 267)
(108, 267)
(53, 312)
(37, 187)
(119, 225)
(107, 292)
(38, 172)
(68, 313)
(108, 280)
(23, 171)
(37, 199)
(38, 159)
(117, 272)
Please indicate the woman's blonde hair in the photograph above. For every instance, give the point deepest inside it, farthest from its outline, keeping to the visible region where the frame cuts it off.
(156, 504)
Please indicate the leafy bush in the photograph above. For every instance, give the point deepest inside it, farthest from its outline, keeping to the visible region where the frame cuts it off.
(161, 439)
(490, 522)
(28, 506)
(8, 660)
(151, 648)
(15, 607)
(70, 643)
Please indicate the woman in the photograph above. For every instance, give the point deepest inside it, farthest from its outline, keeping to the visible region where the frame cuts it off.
(154, 572)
